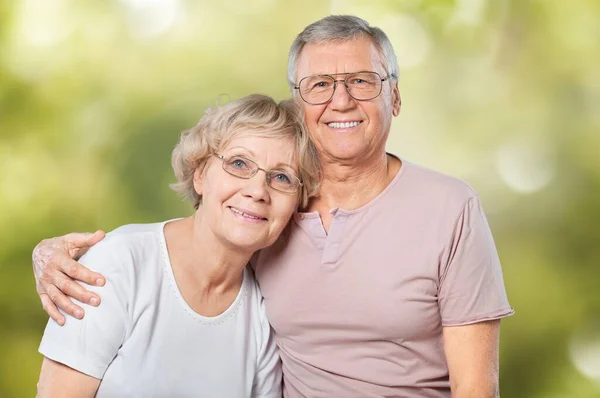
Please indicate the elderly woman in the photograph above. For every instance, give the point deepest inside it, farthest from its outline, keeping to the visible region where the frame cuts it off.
(182, 315)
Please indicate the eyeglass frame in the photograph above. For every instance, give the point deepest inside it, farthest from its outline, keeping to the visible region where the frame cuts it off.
(267, 172)
(345, 80)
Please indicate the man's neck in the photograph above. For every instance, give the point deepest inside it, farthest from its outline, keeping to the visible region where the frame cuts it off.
(351, 186)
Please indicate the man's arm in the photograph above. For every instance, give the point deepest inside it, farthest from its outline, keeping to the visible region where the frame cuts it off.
(472, 356)
(56, 271)
(58, 380)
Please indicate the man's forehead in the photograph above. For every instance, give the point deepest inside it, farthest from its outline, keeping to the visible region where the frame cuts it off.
(355, 55)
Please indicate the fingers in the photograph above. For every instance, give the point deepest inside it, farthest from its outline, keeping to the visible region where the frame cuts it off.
(51, 309)
(55, 270)
(73, 289)
(95, 238)
(58, 299)
(67, 266)
(78, 243)
(81, 273)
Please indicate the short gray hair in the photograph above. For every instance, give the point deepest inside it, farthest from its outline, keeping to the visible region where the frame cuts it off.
(341, 28)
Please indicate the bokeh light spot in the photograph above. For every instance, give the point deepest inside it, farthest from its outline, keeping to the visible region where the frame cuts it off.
(150, 18)
(584, 349)
(525, 166)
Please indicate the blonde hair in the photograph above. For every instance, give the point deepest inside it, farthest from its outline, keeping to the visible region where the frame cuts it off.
(256, 114)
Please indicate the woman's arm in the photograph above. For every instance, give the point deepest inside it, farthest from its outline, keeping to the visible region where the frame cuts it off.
(58, 380)
(78, 354)
(472, 356)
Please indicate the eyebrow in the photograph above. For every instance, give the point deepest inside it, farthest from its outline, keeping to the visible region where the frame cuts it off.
(277, 166)
(281, 165)
(242, 147)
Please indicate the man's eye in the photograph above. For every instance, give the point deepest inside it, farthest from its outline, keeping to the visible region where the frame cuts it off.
(321, 84)
(358, 81)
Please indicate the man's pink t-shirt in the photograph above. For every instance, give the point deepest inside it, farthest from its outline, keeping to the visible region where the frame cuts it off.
(358, 312)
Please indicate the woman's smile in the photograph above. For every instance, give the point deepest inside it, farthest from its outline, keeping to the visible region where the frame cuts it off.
(247, 215)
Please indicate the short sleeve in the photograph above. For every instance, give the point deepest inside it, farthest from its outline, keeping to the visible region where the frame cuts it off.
(89, 345)
(471, 286)
(267, 380)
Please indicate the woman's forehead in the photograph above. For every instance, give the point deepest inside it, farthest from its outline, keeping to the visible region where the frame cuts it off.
(259, 138)
(275, 149)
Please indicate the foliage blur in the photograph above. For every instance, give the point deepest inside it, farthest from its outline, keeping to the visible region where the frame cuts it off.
(502, 93)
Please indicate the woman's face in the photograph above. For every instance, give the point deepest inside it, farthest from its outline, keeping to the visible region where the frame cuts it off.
(247, 213)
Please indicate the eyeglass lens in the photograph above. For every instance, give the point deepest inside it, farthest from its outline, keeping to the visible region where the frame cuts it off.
(280, 180)
(320, 88)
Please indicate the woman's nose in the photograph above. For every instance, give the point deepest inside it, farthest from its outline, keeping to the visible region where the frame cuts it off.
(256, 187)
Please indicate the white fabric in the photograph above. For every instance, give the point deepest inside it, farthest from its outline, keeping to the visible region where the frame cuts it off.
(145, 341)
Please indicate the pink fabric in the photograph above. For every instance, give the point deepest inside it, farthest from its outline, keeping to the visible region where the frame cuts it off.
(359, 312)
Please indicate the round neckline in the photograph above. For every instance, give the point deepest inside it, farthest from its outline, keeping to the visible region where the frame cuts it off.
(372, 202)
(168, 270)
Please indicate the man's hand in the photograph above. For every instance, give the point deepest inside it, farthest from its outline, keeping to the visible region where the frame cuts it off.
(56, 271)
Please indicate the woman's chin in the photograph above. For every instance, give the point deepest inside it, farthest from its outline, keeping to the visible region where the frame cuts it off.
(247, 243)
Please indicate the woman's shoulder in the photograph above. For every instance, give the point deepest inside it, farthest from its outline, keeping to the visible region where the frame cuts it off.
(132, 234)
(255, 301)
(125, 247)
(252, 289)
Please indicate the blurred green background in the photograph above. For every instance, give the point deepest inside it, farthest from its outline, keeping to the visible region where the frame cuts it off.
(502, 93)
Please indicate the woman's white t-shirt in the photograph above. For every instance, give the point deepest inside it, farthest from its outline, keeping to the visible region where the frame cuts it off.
(145, 341)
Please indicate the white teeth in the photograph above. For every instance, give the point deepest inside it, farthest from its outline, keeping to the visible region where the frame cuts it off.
(344, 125)
(233, 209)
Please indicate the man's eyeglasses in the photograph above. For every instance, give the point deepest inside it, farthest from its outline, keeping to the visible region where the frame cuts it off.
(362, 86)
(279, 180)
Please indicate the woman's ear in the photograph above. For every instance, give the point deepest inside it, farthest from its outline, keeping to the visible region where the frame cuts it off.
(198, 178)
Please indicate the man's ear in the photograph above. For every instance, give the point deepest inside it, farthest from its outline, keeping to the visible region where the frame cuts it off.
(198, 178)
(396, 100)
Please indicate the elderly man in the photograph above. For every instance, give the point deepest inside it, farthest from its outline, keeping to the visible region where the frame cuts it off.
(390, 284)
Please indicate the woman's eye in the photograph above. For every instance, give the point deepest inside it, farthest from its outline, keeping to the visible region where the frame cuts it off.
(238, 163)
(283, 178)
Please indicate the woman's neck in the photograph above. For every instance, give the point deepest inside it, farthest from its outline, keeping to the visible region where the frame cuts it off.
(199, 257)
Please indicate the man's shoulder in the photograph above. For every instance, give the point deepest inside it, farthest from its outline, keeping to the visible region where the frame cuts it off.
(425, 181)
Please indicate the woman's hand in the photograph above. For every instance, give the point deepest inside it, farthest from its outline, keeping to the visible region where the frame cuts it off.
(56, 270)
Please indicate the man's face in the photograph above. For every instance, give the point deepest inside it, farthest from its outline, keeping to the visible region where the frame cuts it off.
(345, 129)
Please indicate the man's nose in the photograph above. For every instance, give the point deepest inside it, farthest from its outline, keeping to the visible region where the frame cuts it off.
(341, 98)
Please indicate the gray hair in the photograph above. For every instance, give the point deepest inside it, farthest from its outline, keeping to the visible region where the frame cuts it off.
(341, 28)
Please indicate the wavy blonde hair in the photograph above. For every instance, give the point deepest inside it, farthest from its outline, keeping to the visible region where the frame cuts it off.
(254, 114)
